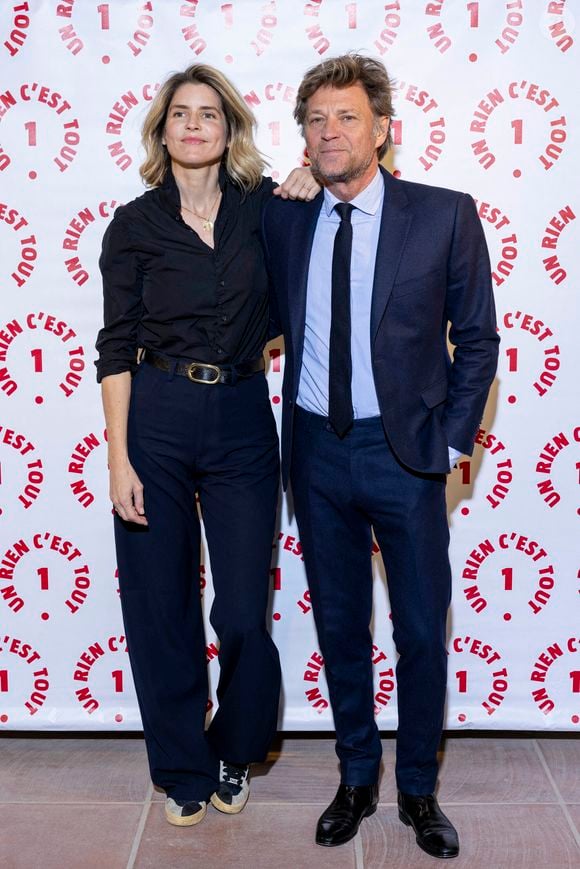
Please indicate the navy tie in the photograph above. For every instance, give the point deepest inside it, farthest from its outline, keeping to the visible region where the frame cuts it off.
(340, 362)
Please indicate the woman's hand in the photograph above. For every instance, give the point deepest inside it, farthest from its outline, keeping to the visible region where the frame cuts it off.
(300, 184)
(126, 493)
(125, 487)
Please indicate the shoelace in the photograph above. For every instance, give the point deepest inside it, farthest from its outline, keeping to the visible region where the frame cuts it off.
(233, 775)
(424, 805)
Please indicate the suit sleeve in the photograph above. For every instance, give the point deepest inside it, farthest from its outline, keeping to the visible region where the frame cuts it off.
(470, 310)
(265, 191)
(274, 325)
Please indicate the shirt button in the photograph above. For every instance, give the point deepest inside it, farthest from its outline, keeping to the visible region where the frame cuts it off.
(222, 283)
(219, 351)
(224, 318)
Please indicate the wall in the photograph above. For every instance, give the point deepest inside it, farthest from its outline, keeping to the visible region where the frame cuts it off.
(486, 103)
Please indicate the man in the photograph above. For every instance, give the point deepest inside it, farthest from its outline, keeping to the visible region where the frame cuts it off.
(366, 279)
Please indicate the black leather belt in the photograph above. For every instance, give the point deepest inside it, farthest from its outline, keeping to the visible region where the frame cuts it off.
(203, 372)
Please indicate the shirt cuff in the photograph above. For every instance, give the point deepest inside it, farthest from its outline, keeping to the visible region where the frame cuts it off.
(104, 368)
(453, 456)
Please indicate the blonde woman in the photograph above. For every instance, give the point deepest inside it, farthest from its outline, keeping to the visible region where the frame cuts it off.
(184, 280)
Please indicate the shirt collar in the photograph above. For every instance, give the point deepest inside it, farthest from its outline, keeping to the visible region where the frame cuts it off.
(368, 200)
(170, 194)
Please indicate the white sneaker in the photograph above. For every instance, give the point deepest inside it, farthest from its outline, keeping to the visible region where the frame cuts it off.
(234, 790)
(183, 813)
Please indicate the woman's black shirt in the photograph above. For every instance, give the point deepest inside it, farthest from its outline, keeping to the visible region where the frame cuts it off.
(165, 290)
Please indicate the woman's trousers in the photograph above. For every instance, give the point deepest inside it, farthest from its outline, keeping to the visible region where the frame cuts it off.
(217, 443)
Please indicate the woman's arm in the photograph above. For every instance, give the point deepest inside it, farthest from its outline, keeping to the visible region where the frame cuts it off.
(117, 341)
(117, 346)
(125, 487)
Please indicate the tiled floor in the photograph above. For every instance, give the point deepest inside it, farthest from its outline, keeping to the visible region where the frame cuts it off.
(79, 803)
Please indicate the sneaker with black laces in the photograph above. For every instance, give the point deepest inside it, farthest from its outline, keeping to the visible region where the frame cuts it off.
(234, 789)
(185, 813)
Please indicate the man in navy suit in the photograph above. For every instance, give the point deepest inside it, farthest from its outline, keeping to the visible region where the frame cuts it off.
(366, 280)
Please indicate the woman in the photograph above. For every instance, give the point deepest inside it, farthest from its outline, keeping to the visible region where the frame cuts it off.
(184, 280)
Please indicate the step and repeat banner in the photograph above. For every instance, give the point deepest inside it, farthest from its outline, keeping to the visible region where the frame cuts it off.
(486, 102)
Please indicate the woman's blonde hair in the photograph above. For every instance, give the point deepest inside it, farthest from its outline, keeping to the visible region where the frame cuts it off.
(243, 161)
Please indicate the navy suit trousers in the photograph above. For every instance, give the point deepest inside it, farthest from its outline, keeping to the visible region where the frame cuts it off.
(220, 443)
(344, 489)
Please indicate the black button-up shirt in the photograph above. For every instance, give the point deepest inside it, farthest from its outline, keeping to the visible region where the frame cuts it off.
(168, 291)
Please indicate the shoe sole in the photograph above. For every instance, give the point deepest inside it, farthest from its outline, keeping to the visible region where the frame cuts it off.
(226, 808)
(408, 823)
(187, 820)
(327, 844)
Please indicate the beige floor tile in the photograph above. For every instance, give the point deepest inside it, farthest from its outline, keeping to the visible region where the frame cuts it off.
(293, 767)
(483, 770)
(301, 771)
(306, 744)
(73, 770)
(261, 837)
(563, 759)
(305, 770)
(56, 837)
(302, 774)
(298, 770)
(491, 837)
(574, 810)
(493, 770)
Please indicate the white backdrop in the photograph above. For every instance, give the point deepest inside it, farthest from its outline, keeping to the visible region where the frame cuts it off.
(487, 102)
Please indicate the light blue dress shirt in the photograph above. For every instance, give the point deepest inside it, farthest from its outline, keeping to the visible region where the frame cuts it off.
(366, 225)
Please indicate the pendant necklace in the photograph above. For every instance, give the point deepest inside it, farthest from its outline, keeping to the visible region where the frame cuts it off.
(207, 224)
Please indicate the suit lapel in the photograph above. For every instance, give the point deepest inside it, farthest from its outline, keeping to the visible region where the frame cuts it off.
(395, 223)
(302, 235)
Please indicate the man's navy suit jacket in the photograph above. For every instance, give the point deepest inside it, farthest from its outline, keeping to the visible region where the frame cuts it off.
(432, 269)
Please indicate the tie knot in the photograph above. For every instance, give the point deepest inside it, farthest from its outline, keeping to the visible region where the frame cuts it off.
(344, 210)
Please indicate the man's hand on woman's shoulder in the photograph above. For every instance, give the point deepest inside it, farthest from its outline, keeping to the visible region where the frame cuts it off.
(300, 184)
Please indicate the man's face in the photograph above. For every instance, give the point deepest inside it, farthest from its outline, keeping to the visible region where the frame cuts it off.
(342, 133)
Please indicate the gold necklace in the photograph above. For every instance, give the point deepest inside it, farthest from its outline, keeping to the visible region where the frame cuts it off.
(207, 224)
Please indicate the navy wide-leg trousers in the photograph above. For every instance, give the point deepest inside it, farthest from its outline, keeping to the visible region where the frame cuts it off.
(343, 489)
(219, 443)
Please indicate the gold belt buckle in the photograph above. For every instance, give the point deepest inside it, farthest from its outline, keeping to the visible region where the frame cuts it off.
(191, 373)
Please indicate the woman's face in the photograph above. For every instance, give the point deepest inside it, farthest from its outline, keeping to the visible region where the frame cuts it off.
(195, 128)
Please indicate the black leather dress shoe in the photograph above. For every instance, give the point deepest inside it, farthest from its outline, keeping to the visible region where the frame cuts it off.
(435, 833)
(339, 823)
